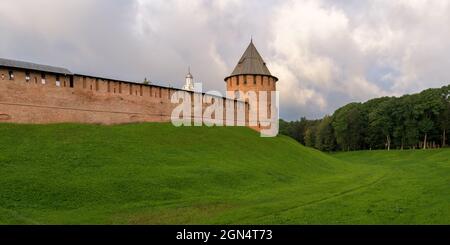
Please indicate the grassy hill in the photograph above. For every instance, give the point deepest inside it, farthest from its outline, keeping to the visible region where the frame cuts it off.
(156, 173)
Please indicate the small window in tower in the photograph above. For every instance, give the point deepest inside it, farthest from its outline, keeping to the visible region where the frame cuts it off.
(141, 90)
(84, 82)
(254, 79)
(262, 79)
(11, 75)
(71, 81)
(27, 76)
(96, 84)
(58, 83)
(150, 89)
(237, 80)
(120, 87)
(245, 79)
(43, 78)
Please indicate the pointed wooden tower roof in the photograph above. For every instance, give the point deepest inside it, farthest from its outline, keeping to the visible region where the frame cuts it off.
(251, 63)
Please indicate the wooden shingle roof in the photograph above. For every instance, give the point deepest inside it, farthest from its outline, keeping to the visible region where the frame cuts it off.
(251, 63)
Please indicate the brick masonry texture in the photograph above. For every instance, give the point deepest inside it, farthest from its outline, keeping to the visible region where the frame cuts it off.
(34, 98)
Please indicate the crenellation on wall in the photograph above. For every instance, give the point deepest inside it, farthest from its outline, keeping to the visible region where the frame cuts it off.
(89, 100)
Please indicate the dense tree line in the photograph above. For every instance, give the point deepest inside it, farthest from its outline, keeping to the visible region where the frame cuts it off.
(409, 122)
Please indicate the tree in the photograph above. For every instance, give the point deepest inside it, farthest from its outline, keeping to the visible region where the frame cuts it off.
(310, 137)
(284, 127)
(349, 127)
(405, 128)
(297, 129)
(444, 115)
(427, 108)
(325, 140)
(381, 123)
(300, 128)
(414, 121)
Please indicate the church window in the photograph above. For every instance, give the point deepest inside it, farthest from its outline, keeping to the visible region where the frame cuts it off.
(120, 87)
(245, 79)
(237, 80)
(141, 91)
(254, 79)
(71, 81)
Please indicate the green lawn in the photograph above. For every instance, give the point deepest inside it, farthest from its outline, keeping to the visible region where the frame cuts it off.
(158, 174)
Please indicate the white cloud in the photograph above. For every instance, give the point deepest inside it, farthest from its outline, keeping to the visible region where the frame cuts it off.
(333, 52)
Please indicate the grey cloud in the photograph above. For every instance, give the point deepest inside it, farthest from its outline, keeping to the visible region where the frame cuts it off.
(326, 53)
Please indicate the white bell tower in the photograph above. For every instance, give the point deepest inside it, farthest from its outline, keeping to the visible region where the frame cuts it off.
(189, 85)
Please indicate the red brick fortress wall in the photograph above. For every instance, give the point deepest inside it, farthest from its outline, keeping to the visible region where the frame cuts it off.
(30, 98)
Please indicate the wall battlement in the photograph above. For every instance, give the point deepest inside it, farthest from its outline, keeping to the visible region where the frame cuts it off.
(28, 96)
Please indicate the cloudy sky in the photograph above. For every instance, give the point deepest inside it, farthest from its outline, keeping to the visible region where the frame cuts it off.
(326, 53)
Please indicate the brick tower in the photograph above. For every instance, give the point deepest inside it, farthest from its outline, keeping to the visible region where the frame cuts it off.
(251, 74)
